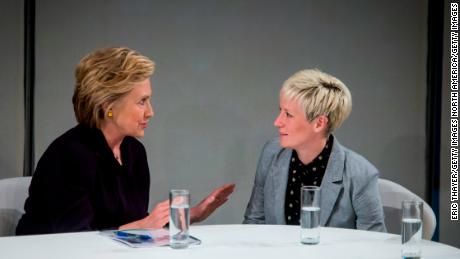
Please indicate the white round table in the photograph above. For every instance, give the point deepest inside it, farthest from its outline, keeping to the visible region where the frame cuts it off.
(225, 241)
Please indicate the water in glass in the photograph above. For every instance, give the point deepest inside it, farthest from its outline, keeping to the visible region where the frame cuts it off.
(309, 220)
(411, 237)
(179, 225)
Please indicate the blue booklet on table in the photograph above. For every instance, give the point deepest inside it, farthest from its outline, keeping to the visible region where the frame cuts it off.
(143, 237)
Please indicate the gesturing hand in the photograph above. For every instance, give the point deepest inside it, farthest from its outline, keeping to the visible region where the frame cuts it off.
(158, 218)
(209, 204)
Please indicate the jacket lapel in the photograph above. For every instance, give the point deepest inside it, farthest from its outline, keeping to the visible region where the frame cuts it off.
(280, 174)
(332, 181)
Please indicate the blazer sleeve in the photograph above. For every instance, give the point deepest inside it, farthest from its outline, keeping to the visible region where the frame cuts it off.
(367, 203)
(255, 210)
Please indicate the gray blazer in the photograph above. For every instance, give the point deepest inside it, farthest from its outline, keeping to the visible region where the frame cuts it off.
(349, 190)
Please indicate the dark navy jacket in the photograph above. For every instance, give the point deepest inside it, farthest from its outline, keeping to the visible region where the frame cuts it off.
(78, 185)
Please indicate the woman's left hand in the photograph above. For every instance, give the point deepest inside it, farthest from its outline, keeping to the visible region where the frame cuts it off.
(209, 204)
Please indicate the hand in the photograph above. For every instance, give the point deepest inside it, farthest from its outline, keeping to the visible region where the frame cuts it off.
(158, 218)
(214, 200)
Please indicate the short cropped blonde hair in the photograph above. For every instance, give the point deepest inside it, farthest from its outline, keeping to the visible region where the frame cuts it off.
(103, 77)
(319, 94)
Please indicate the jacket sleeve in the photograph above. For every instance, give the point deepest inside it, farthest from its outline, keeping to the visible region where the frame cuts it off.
(367, 203)
(255, 211)
(59, 194)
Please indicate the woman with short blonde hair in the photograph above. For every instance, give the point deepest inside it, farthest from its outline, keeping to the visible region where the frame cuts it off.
(319, 94)
(313, 105)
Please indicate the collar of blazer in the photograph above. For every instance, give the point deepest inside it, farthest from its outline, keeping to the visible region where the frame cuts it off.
(331, 186)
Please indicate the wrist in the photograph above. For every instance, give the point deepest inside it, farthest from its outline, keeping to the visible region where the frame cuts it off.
(195, 214)
(142, 223)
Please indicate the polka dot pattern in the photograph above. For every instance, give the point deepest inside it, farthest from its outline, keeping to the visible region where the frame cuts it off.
(300, 175)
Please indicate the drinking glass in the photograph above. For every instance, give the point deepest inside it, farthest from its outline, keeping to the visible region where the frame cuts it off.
(411, 232)
(179, 218)
(309, 217)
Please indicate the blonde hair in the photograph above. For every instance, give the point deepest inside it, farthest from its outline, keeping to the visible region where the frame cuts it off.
(319, 94)
(103, 77)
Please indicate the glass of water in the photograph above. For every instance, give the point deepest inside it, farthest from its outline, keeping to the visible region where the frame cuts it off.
(179, 218)
(411, 232)
(309, 217)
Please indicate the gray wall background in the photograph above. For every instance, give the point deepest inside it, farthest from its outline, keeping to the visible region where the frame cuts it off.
(12, 89)
(220, 65)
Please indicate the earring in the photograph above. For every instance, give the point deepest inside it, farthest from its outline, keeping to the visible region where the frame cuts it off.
(110, 113)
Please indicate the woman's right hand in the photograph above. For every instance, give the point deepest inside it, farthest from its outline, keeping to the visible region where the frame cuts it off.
(158, 218)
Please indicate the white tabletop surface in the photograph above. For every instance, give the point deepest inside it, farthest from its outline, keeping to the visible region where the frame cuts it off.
(224, 241)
